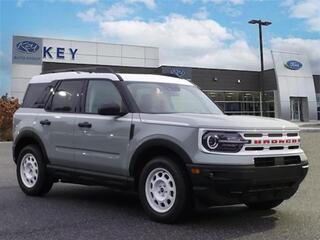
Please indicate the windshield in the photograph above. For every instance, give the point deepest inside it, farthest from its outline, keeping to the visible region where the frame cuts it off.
(171, 98)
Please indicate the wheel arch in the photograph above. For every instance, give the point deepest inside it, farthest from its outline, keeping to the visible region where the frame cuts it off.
(25, 138)
(156, 147)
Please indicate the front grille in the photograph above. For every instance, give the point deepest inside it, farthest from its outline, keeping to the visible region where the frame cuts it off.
(276, 148)
(252, 135)
(271, 141)
(275, 135)
(292, 134)
(276, 161)
(293, 147)
(254, 148)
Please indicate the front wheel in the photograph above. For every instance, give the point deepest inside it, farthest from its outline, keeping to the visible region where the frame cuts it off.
(264, 205)
(32, 173)
(164, 190)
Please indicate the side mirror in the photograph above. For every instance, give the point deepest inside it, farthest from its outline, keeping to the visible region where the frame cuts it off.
(111, 109)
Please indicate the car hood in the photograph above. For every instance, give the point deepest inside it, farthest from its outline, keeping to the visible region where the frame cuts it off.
(219, 121)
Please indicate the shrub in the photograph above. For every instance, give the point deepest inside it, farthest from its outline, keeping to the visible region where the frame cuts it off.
(8, 106)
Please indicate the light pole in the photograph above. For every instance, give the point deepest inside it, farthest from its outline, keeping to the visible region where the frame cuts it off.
(261, 23)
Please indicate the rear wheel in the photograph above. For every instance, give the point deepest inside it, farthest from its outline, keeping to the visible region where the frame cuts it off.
(32, 173)
(264, 205)
(163, 190)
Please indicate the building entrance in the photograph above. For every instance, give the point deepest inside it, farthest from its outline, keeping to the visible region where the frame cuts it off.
(296, 109)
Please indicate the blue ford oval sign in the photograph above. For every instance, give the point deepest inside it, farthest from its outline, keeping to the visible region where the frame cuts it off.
(179, 72)
(27, 47)
(293, 65)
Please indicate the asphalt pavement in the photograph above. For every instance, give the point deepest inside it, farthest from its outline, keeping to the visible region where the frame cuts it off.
(81, 212)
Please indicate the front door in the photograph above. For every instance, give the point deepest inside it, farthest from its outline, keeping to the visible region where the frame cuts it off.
(296, 108)
(101, 142)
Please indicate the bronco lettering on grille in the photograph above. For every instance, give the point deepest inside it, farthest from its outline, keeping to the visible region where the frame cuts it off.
(276, 141)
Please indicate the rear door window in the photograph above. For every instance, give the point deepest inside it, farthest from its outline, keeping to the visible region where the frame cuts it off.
(66, 97)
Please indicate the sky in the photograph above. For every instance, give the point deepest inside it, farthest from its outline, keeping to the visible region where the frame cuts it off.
(194, 33)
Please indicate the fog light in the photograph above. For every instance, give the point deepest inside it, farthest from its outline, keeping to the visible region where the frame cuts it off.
(195, 170)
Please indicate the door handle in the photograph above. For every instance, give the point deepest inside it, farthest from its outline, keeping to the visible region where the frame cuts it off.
(85, 125)
(45, 122)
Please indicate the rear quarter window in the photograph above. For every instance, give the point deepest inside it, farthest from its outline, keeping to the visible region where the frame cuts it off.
(36, 95)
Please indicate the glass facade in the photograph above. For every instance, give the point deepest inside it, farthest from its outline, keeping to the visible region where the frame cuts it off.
(243, 102)
(318, 105)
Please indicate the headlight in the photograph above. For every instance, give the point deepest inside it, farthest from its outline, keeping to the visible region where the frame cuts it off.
(214, 141)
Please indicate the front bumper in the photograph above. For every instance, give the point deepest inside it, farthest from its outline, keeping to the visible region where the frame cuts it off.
(233, 184)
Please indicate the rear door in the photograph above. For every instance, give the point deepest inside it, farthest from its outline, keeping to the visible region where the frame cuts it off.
(58, 121)
(102, 141)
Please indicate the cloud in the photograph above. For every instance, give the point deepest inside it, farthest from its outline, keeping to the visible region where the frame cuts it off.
(228, 7)
(314, 23)
(231, 11)
(188, 1)
(201, 14)
(237, 1)
(89, 16)
(305, 9)
(186, 42)
(308, 46)
(181, 31)
(198, 41)
(20, 3)
(151, 4)
(234, 2)
(86, 2)
(286, 3)
(115, 12)
(308, 10)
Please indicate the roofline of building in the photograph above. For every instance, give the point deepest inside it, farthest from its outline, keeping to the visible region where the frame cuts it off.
(87, 41)
(174, 66)
(218, 69)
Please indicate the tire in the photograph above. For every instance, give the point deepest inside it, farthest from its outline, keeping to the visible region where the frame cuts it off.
(264, 205)
(164, 190)
(32, 173)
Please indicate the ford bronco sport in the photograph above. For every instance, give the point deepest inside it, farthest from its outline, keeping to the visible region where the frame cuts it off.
(158, 135)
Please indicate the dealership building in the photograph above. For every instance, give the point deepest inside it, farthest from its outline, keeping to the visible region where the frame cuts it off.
(290, 89)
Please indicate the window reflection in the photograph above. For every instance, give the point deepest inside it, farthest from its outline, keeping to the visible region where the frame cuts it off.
(65, 99)
(243, 102)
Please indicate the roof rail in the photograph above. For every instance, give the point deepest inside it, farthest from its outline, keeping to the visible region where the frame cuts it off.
(103, 69)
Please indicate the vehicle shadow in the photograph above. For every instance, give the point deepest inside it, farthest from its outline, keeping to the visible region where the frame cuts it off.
(234, 221)
(217, 222)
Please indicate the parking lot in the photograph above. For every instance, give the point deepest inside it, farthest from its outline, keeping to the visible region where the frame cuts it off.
(80, 212)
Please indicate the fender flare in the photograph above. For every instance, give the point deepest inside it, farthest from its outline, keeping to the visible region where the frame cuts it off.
(164, 143)
(27, 134)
